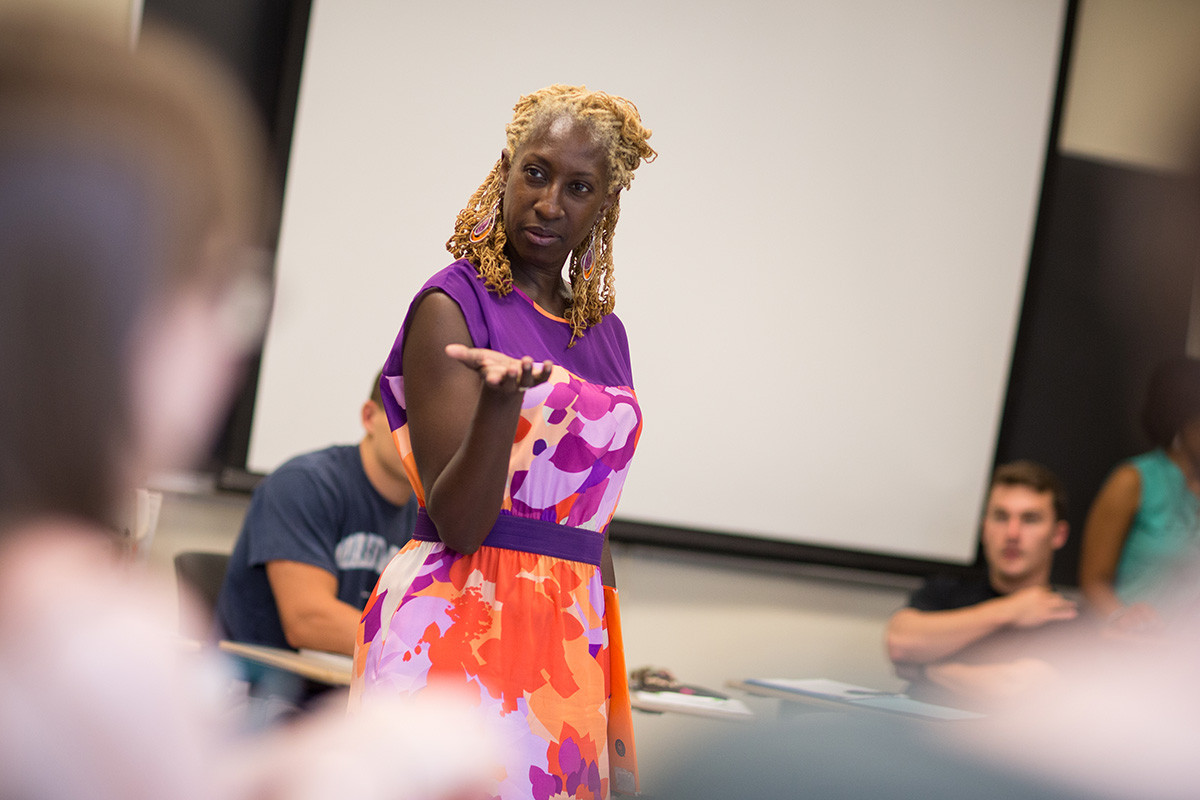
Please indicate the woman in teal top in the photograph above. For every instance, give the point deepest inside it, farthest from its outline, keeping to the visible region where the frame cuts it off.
(1141, 533)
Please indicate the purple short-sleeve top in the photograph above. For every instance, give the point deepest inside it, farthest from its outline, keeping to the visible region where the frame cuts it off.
(577, 431)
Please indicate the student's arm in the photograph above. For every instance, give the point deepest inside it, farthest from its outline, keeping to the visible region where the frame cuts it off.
(463, 406)
(1104, 535)
(311, 614)
(922, 637)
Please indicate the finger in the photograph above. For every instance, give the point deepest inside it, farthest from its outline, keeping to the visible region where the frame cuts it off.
(541, 372)
(470, 357)
(490, 373)
(505, 374)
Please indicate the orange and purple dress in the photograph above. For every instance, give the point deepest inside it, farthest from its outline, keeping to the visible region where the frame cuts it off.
(524, 622)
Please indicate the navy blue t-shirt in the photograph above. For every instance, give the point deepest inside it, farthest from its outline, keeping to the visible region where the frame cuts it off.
(319, 509)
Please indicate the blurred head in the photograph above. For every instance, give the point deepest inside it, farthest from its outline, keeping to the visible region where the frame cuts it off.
(378, 434)
(616, 130)
(1172, 400)
(131, 276)
(1023, 524)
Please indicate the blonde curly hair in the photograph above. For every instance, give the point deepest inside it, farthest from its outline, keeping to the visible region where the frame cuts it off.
(618, 128)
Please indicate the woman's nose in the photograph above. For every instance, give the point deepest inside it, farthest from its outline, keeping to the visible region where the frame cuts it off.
(549, 205)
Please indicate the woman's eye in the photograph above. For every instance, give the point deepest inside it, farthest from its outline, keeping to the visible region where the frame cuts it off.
(534, 172)
(581, 188)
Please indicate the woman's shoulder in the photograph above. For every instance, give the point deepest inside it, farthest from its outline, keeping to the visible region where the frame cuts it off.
(459, 280)
(457, 277)
(613, 324)
(1153, 467)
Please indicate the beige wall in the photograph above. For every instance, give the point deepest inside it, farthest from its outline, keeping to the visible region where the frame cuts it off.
(1134, 88)
(118, 16)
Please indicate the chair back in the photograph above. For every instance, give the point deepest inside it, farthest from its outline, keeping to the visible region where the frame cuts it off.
(201, 575)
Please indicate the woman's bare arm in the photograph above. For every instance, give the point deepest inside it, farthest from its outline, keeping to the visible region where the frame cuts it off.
(1104, 535)
(461, 425)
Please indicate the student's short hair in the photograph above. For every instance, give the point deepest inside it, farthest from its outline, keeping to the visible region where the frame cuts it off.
(1172, 399)
(1036, 477)
(377, 390)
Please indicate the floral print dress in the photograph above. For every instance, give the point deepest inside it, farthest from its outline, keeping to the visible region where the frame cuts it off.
(523, 623)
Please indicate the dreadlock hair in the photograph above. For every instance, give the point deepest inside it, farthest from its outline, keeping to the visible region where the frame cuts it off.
(615, 123)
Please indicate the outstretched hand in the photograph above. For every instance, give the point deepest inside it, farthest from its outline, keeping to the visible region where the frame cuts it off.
(499, 371)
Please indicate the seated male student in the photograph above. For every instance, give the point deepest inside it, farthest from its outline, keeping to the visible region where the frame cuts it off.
(972, 640)
(317, 534)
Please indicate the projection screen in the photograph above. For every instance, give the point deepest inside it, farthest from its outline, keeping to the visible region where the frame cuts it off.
(821, 274)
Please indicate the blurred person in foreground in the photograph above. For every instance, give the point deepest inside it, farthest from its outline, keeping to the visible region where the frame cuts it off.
(319, 531)
(131, 290)
(974, 640)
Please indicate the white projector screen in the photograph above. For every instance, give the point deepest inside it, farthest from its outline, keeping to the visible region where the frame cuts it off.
(820, 275)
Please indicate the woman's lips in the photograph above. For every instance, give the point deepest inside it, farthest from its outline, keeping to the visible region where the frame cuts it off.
(541, 236)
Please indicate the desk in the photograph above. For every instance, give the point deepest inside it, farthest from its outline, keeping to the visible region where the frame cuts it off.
(334, 670)
(327, 668)
(826, 695)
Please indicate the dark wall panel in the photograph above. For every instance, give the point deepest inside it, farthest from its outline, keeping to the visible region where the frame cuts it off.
(262, 42)
(1109, 295)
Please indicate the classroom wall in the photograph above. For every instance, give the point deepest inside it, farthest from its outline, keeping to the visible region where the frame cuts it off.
(1134, 89)
(709, 617)
(118, 16)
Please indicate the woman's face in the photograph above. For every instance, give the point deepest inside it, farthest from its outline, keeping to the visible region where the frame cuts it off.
(556, 187)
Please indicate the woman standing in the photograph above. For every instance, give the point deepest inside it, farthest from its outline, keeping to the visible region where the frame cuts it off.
(511, 398)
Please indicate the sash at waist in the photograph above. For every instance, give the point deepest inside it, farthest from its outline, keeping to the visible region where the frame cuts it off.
(529, 536)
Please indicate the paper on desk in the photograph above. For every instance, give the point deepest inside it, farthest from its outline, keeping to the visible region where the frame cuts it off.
(864, 697)
(332, 660)
(821, 687)
(703, 705)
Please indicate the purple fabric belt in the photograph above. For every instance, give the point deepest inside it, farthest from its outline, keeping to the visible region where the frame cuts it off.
(529, 536)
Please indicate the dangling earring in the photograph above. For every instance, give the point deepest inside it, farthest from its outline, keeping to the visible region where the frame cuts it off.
(589, 257)
(485, 225)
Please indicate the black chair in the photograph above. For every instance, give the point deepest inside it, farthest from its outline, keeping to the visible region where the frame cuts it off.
(202, 575)
(275, 695)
